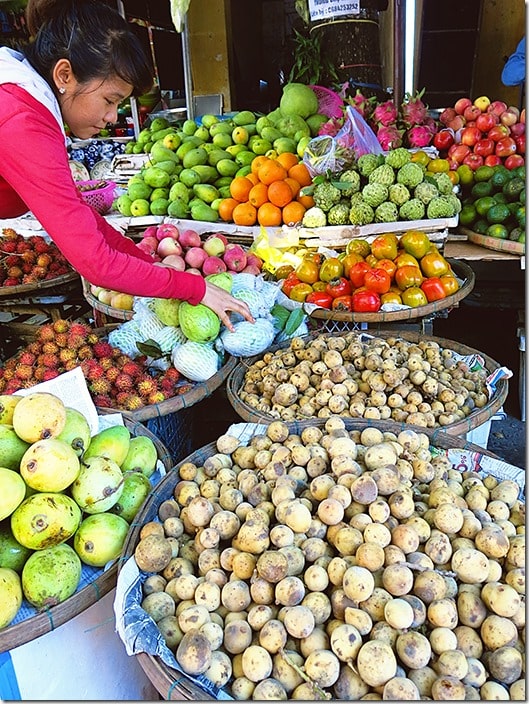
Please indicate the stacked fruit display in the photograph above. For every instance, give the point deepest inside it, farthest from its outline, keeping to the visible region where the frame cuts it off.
(191, 165)
(28, 260)
(367, 570)
(482, 132)
(494, 202)
(67, 498)
(408, 270)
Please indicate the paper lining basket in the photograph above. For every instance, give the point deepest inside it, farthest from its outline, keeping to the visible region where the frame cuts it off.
(473, 420)
(173, 684)
(51, 618)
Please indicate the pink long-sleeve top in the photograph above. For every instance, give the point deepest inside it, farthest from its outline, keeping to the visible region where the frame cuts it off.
(35, 175)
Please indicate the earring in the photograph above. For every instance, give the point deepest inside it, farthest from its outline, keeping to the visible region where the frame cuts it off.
(62, 90)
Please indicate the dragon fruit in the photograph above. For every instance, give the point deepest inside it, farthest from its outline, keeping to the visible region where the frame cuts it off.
(413, 110)
(389, 137)
(362, 104)
(385, 113)
(420, 136)
(331, 127)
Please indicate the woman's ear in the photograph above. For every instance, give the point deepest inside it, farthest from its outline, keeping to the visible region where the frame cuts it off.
(62, 75)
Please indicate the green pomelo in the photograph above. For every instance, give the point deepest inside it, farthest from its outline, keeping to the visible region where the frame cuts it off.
(50, 576)
(135, 490)
(76, 432)
(273, 117)
(112, 443)
(10, 595)
(12, 447)
(12, 491)
(166, 309)
(50, 465)
(12, 554)
(98, 486)
(298, 99)
(100, 538)
(44, 520)
(293, 126)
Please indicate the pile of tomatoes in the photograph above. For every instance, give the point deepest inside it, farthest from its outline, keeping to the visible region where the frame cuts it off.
(409, 270)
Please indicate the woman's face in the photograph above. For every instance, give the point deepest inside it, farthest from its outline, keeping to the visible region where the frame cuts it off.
(88, 107)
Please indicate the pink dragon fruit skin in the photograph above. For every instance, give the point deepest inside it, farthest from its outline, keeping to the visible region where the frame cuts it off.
(362, 104)
(385, 114)
(389, 137)
(413, 110)
(331, 127)
(419, 136)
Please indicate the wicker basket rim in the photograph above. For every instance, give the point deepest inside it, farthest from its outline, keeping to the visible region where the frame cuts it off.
(8, 291)
(118, 313)
(51, 618)
(462, 269)
(473, 420)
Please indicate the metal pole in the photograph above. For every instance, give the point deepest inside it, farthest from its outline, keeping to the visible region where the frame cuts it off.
(188, 80)
(133, 101)
(399, 19)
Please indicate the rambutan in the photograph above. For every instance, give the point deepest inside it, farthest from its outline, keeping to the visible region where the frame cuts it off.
(23, 246)
(133, 402)
(50, 374)
(121, 398)
(12, 386)
(75, 341)
(24, 371)
(172, 374)
(3, 384)
(103, 401)
(8, 246)
(92, 338)
(10, 281)
(50, 348)
(85, 352)
(39, 244)
(14, 272)
(70, 364)
(39, 371)
(29, 279)
(26, 357)
(44, 260)
(61, 339)
(51, 361)
(10, 363)
(100, 386)
(34, 347)
(11, 260)
(112, 373)
(156, 397)
(123, 382)
(132, 368)
(79, 329)
(146, 387)
(94, 371)
(107, 363)
(67, 355)
(102, 349)
(46, 333)
(60, 325)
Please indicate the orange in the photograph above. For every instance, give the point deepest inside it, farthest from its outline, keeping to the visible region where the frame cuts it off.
(258, 161)
(287, 159)
(259, 194)
(294, 185)
(300, 173)
(240, 187)
(244, 214)
(306, 201)
(252, 177)
(269, 215)
(293, 213)
(271, 171)
(226, 207)
(279, 193)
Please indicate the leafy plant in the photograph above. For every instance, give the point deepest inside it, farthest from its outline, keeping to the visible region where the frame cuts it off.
(309, 63)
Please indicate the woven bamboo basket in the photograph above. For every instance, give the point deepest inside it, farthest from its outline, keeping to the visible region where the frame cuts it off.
(463, 272)
(47, 287)
(103, 313)
(235, 383)
(51, 618)
(173, 684)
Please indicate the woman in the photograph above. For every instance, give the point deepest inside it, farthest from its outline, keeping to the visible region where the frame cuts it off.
(82, 62)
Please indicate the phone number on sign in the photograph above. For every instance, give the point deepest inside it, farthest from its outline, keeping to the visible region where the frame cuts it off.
(326, 9)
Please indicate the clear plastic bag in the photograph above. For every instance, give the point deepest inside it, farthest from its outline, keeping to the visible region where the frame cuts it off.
(357, 135)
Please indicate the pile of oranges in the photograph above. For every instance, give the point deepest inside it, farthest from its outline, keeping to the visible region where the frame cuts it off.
(269, 194)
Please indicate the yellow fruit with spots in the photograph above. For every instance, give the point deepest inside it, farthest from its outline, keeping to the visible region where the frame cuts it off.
(10, 595)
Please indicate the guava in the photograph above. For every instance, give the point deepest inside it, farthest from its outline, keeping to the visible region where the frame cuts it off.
(166, 309)
(315, 122)
(291, 125)
(298, 99)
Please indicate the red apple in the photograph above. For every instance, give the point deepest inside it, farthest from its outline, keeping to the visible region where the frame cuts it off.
(520, 144)
(150, 231)
(195, 256)
(447, 115)
(443, 139)
(473, 160)
(251, 269)
(167, 229)
(175, 261)
(167, 246)
(213, 265)
(220, 235)
(471, 112)
(505, 147)
(148, 245)
(522, 116)
(189, 238)
(498, 132)
(497, 106)
(486, 121)
(513, 161)
(461, 104)
(470, 135)
(457, 123)
(253, 260)
(509, 117)
(484, 146)
(214, 246)
(517, 129)
(235, 257)
(458, 152)
(492, 160)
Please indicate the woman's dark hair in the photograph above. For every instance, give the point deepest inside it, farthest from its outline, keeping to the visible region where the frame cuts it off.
(93, 36)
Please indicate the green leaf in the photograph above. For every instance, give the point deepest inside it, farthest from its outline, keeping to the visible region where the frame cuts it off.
(294, 321)
(150, 348)
(280, 315)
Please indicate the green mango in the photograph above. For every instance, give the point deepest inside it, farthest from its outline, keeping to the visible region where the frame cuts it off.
(156, 177)
(159, 123)
(202, 133)
(227, 168)
(189, 177)
(112, 443)
(136, 488)
(224, 191)
(185, 147)
(195, 157)
(202, 211)
(12, 448)
(159, 193)
(142, 456)
(100, 538)
(76, 432)
(207, 173)
(243, 117)
(50, 576)
(262, 122)
(270, 133)
(189, 127)
(12, 553)
(206, 192)
(216, 155)
(223, 181)
(160, 153)
(178, 208)
(223, 127)
(169, 166)
(209, 120)
(45, 519)
(160, 134)
(159, 206)
(179, 190)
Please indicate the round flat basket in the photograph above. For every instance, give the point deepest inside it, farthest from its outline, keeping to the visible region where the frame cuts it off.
(463, 272)
(479, 416)
(108, 311)
(101, 581)
(173, 684)
(498, 245)
(44, 285)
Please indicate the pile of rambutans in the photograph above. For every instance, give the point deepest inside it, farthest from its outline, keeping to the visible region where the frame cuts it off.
(114, 379)
(28, 260)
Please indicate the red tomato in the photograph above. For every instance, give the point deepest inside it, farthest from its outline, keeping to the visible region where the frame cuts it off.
(443, 139)
(377, 280)
(513, 161)
(320, 298)
(357, 273)
(366, 302)
(344, 303)
(505, 147)
(289, 283)
(338, 287)
(385, 246)
(433, 289)
(407, 276)
(387, 265)
(485, 146)
(449, 283)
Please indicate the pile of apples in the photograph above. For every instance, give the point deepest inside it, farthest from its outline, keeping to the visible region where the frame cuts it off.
(185, 250)
(482, 132)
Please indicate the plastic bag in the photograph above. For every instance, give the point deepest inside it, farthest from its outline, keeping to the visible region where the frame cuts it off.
(357, 135)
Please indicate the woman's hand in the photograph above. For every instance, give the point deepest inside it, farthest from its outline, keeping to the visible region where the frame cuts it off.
(221, 302)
